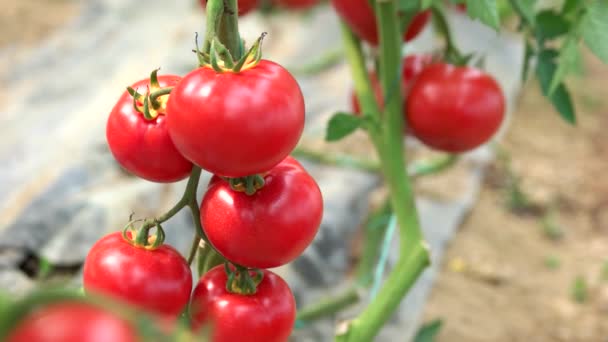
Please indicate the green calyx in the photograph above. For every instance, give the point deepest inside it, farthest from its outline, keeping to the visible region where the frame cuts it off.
(241, 280)
(249, 184)
(154, 102)
(220, 59)
(141, 237)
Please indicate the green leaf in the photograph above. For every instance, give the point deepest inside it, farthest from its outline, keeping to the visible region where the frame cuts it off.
(595, 29)
(569, 60)
(545, 70)
(341, 125)
(528, 54)
(484, 10)
(426, 4)
(526, 9)
(570, 7)
(550, 25)
(428, 332)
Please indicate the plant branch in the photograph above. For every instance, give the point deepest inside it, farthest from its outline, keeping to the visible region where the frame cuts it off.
(328, 306)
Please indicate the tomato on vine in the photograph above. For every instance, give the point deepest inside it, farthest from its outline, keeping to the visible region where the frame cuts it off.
(245, 6)
(267, 315)
(142, 144)
(236, 124)
(269, 228)
(412, 67)
(156, 279)
(72, 322)
(454, 109)
(359, 15)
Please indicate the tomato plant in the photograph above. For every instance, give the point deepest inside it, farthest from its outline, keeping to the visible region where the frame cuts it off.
(245, 6)
(454, 109)
(142, 145)
(359, 15)
(296, 4)
(412, 67)
(158, 280)
(236, 124)
(72, 322)
(268, 315)
(271, 227)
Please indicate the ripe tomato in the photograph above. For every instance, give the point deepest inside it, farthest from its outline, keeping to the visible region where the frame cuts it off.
(268, 315)
(245, 6)
(141, 146)
(269, 228)
(156, 280)
(72, 322)
(412, 67)
(237, 124)
(296, 4)
(454, 109)
(359, 15)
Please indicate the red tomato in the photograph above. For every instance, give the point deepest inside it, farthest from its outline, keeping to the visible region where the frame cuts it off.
(269, 228)
(156, 280)
(461, 7)
(359, 15)
(268, 315)
(454, 109)
(412, 67)
(296, 4)
(72, 322)
(141, 146)
(245, 6)
(237, 124)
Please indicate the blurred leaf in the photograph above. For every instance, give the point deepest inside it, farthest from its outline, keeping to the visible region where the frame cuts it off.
(560, 98)
(409, 5)
(44, 267)
(594, 28)
(552, 262)
(341, 125)
(551, 227)
(550, 25)
(580, 290)
(570, 7)
(484, 10)
(429, 331)
(604, 271)
(526, 9)
(569, 59)
(426, 4)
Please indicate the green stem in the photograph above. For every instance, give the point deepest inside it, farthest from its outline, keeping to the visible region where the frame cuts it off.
(432, 166)
(374, 229)
(228, 32)
(341, 160)
(414, 255)
(194, 248)
(328, 306)
(321, 63)
(215, 11)
(452, 53)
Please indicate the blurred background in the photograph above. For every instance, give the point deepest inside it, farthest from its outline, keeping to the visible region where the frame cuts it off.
(518, 229)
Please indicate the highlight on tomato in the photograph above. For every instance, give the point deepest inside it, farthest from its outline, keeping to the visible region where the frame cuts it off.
(267, 315)
(359, 15)
(269, 228)
(137, 134)
(454, 109)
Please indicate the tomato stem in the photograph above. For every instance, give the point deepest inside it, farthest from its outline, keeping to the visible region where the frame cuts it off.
(328, 306)
(452, 53)
(388, 141)
(222, 23)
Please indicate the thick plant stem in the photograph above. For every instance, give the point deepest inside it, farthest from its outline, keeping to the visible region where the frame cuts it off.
(222, 22)
(414, 255)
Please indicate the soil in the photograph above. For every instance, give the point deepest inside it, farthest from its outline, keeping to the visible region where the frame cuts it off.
(538, 273)
(26, 22)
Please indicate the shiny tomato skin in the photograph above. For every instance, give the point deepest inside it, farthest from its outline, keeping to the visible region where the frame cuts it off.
(158, 281)
(454, 109)
(268, 315)
(269, 228)
(143, 147)
(359, 15)
(296, 4)
(72, 322)
(237, 124)
(412, 67)
(245, 6)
